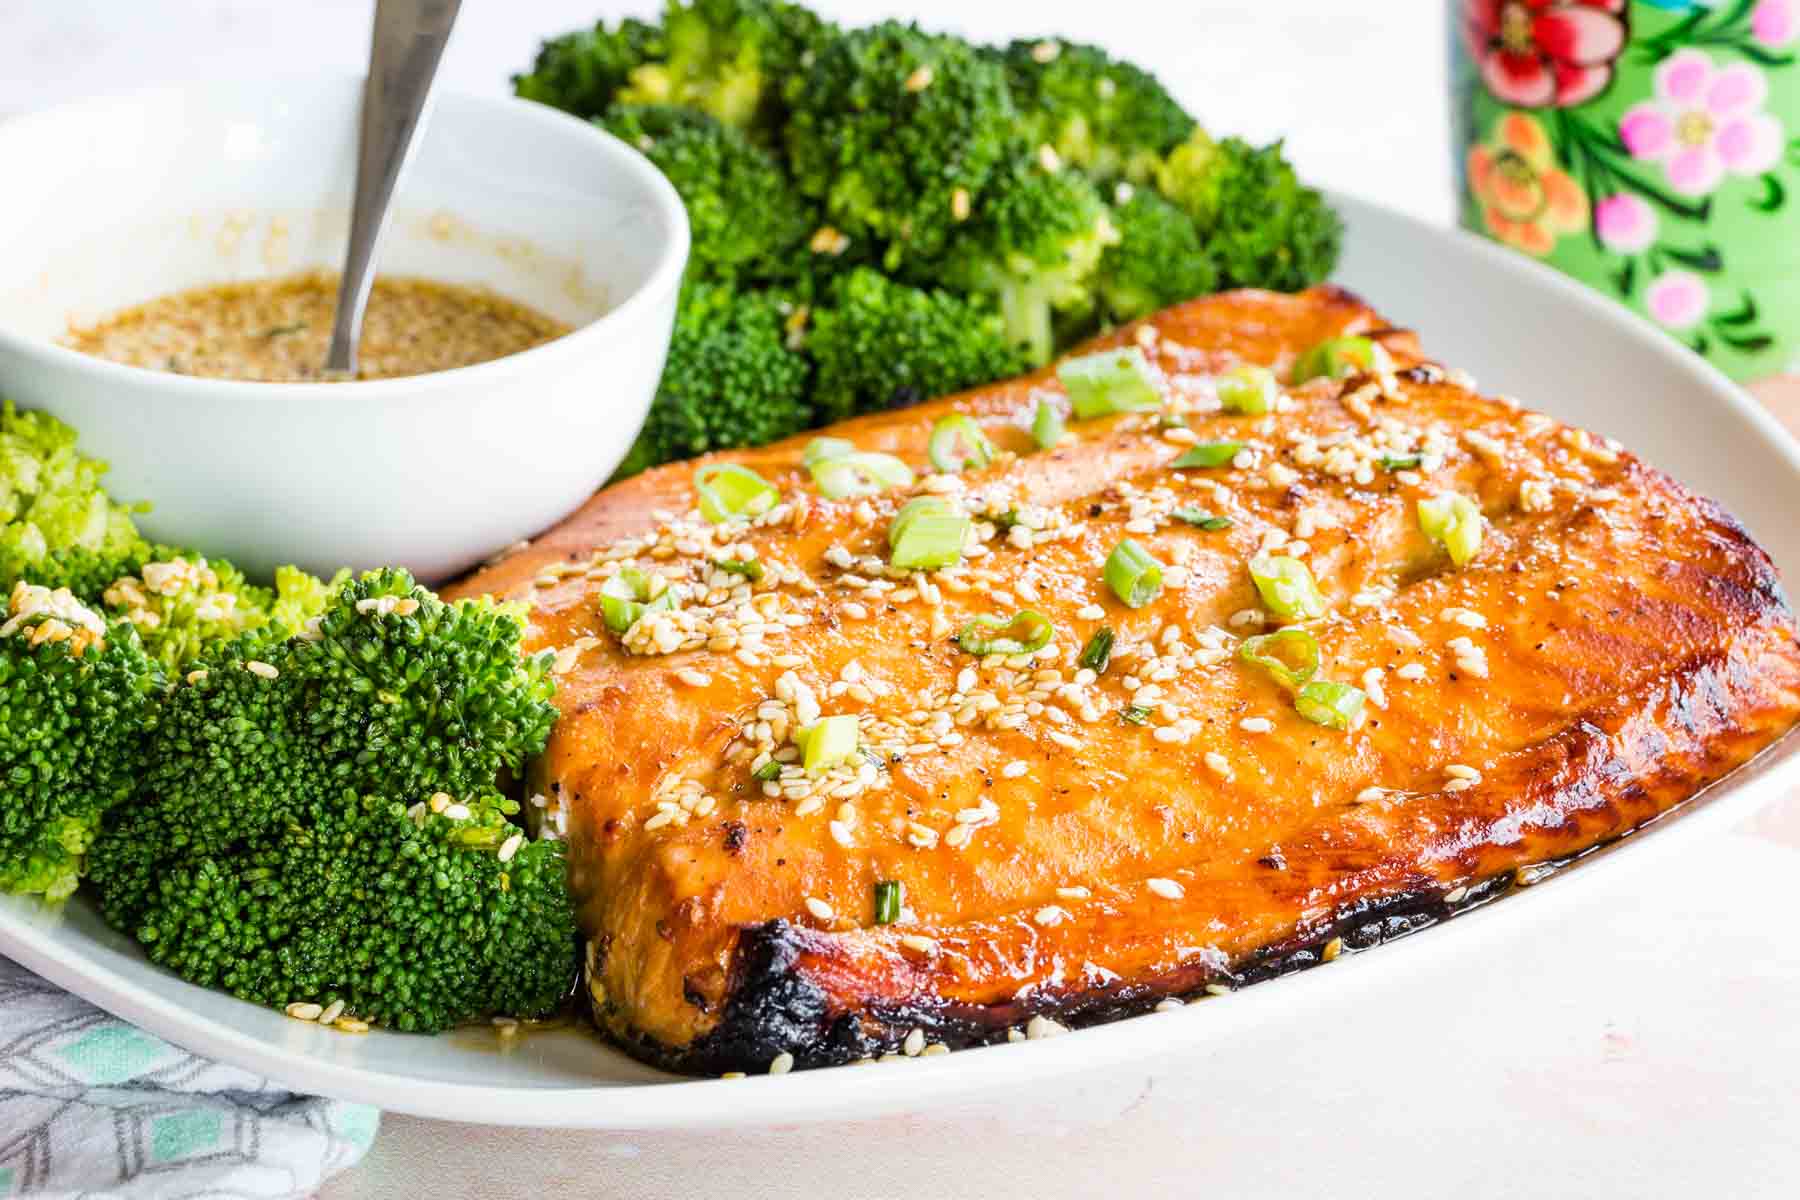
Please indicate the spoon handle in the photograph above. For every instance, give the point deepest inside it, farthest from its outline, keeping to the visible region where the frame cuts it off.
(403, 59)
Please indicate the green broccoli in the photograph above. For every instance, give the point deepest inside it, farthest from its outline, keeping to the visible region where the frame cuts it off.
(1109, 118)
(1157, 261)
(880, 344)
(894, 131)
(731, 379)
(1260, 225)
(748, 222)
(76, 698)
(51, 504)
(729, 59)
(1033, 243)
(318, 822)
(580, 72)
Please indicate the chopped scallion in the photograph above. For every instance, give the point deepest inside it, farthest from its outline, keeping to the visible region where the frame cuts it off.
(1456, 522)
(749, 568)
(1134, 714)
(1132, 574)
(1334, 705)
(827, 742)
(767, 773)
(957, 444)
(1249, 390)
(863, 473)
(1098, 651)
(1109, 382)
(1026, 633)
(1201, 519)
(1341, 357)
(928, 532)
(729, 492)
(824, 449)
(1046, 424)
(1290, 655)
(890, 894)
(1287, 587)
(627, 596)
(1208, 454)
(1401, 462)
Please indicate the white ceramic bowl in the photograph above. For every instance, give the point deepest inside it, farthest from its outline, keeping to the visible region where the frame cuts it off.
(113, 202)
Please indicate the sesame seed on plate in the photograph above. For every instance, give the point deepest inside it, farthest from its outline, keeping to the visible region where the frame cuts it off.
(1013, 770)
(332, 1013)
(510, 847)
(915, 1042)
(781, 1064)
(1041, 1026)
(304, 1010)
(1073, 893)
(1168, 889)
(1090, 612)
(1169, 1004)
(1256, 725)
(919, 944)
(261, 670)
(1048, 916)
(819, 908)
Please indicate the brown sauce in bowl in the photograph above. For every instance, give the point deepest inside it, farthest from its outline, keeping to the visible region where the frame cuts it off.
(277, 330)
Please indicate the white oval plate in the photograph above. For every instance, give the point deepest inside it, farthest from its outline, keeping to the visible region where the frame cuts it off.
(1517, 326)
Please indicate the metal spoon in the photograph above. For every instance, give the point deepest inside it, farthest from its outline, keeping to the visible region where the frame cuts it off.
(403, 60)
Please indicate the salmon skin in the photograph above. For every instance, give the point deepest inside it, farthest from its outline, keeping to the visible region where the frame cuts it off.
(1072, 843)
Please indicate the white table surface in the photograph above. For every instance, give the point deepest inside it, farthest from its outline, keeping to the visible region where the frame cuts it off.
(1644, 1046)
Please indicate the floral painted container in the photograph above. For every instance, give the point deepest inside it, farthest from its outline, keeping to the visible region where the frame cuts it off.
(1649, 148)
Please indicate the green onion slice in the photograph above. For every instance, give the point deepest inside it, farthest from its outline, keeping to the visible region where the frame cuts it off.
(1046, 424)
(1134, 714)
(1248, 389)
(729, 492)
(1287, 587)
(827, 742)
(1201, 519)
(769, 771)
(928, 532)
(1132, 574)
(825, 449)
(627, 596)
(890, 894)
(749, 568)
(1455, 521)
(1290, 655)
(1098, 651)
(1109, 382)
(1341, 357)
(1334, 705)
(862, 473)
(1401, 462)
(1208, 454)
(1026, 633)
(957, 444)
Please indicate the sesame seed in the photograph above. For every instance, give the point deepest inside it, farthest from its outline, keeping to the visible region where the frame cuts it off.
(457, 812)
(1090, 612)
(915, 1042)
(304, 1010)
(261, 670)
(1455, 895)
(510, 847)
(332, 1013)
(818, 908)
(1013, 770)
(1168, 889)
(1370, 795)
(1218, 764)
(781, 1064)
(1218, 989)
(1463, 771)
(1048, 159)
(440, 801)
(692, 677)
(732, 1075)
(1411, 671)
(1169, 1004)
(934, 1050)
(1332, 949)
(1040, 1027)
(350, 1025)
(920, 79)
(1256, 725)
(919, 944)
(195, 676)
(959, 204)
(1073, 893)
(1045, 51)
(1049, 915)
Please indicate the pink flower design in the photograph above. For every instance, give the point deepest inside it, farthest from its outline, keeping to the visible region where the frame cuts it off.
(1545, 53)
(1775, 23)
(1677, 299)
(1625, 223)
(1705, 120)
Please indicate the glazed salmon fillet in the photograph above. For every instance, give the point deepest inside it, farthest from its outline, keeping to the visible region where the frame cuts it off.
(1073, 844)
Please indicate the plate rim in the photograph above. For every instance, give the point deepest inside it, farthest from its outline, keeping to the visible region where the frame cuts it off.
(680, 1104)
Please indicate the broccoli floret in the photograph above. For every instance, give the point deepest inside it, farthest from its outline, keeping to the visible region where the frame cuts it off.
(75, 702)
(748, 222)
(580, 72)
(1107, 117)
(1034, 244)
(1157, 261)
(880, 344)
(894, 131)
(51, 503)
(318, 821)
(1260, 225)
(731, 379)
(181, 602)
(730, 58)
